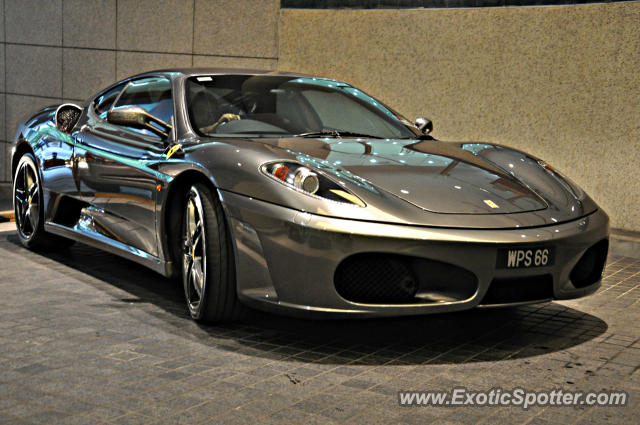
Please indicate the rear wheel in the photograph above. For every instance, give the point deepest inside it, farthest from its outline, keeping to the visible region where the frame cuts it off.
(208, 269)
(29, 209)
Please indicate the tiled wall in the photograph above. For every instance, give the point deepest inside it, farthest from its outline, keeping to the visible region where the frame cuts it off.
(65, 50)
(560, 82)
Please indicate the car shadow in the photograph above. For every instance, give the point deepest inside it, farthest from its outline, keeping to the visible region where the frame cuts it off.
(469, 336)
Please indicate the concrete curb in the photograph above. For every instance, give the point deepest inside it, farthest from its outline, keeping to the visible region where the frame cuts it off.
(625, 243)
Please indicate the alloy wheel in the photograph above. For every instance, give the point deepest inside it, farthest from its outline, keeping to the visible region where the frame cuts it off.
(26, 200)
(194, 264)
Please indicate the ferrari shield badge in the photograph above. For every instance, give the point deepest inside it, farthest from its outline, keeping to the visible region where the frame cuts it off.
(172, 150)
(491, 203)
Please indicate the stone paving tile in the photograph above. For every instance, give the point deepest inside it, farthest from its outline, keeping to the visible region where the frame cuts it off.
(89, 338)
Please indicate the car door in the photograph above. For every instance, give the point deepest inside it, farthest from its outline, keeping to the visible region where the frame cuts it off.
(55, 153)
(112, 165)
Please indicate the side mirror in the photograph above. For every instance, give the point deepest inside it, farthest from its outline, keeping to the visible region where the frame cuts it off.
(67, 116)
(424, 124)
(136, 117)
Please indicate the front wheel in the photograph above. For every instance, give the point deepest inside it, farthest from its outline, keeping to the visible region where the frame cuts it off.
(208, 269)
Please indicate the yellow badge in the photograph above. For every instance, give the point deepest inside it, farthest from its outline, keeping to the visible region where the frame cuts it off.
(491, 203)
(349, 197)
(173, 149)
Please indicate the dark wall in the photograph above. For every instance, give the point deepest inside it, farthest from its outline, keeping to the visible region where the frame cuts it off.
(399, 4)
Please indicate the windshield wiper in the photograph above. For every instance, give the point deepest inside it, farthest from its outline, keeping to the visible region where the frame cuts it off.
(336, 133)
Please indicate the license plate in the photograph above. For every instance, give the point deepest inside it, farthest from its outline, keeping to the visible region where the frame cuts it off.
(525, 258)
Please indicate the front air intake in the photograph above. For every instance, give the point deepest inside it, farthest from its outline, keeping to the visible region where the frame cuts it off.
(589, 268)
(378, 278)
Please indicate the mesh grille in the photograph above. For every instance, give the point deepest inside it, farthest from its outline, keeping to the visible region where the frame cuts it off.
(67, 118)
(589, 269)
(376, 278)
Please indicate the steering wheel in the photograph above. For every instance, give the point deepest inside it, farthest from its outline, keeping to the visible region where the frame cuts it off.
(224, 118)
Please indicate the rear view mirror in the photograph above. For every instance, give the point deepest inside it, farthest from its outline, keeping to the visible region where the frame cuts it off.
(424, 124)
(136, 117)
(67, 116)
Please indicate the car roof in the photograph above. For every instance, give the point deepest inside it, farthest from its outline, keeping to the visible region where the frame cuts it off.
(190, 72)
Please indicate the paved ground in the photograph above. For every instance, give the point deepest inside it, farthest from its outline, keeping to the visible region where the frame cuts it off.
(87, 338)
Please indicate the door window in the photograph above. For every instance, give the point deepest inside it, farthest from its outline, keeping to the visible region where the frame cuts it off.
(103, 103)
(151, 94)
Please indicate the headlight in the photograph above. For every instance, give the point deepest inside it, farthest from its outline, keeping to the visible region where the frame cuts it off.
(306, 180)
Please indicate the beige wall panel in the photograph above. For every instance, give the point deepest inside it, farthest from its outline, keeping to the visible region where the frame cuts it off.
(8, 147)
(5, 146)
(19, 107)
(237, 27)
(3, 134)
(7, 165)
(129, 63)
(559, 82)
(2, 65)
(155, 25)
(1, 22)
(4, 163)
(33, 21)
(5, 171)
(34, 70)
(227, 62)
(87, 71)
(7, 161)
(89, 23)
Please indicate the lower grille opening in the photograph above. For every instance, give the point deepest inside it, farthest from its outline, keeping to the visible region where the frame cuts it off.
(378, 278)
(589, 268)
(519, 289)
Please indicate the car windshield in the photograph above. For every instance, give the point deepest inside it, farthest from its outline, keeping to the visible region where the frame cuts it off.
(281, 106)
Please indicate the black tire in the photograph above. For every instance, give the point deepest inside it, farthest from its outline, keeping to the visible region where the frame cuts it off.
(208, 267)
(29, 209)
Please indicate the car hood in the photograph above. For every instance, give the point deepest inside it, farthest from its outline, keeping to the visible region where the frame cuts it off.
(436, 176)
(417, 182)
(444, 179)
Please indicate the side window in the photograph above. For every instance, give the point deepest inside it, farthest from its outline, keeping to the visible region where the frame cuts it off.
(151, 94)
(103, 103)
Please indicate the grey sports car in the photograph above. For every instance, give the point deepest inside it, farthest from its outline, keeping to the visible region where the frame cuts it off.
(301, 195)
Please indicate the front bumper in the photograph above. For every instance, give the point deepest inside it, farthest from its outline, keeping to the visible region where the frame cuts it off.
(286, 259)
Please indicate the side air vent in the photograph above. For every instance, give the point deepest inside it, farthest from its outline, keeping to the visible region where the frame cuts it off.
(67, 211)
(589, 268)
